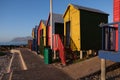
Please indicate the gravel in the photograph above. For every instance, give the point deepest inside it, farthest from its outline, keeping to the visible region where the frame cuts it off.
(4, 63)
(112, 73)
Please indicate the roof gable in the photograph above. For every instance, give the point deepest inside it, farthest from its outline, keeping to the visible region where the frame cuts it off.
(85, 8)
(89, 9)
(56, 18)
(44, 22)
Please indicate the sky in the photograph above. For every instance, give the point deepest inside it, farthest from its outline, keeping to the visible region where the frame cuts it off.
(18, 17)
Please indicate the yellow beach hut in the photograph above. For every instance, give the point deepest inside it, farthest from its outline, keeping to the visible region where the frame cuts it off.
(81, 29)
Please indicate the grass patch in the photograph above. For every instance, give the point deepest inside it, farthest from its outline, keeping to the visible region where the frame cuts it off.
(2, 53)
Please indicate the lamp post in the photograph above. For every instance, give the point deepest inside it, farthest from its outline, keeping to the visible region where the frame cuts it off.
(51, 25)
(51, 21)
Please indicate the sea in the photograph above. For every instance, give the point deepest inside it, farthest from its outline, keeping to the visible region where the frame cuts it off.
(13, 43)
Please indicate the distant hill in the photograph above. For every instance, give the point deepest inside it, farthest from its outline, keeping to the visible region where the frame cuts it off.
(21, 39)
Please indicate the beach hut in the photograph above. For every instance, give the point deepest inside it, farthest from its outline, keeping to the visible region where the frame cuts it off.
(41, 36)
(33, 33)
(57, 36)
(81, 29)
(116, 18)
(30, 42)
(34, 36)
(57, 28)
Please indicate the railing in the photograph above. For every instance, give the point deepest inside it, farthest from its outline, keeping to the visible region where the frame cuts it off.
(110, 36)
(58, 46)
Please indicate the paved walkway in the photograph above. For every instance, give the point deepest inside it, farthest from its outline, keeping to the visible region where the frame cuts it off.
(76, 71)
(37, 70)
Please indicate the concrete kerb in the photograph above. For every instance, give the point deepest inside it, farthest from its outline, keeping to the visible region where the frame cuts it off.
(10, 77)
(24, 67)
(41, 56)
(9, 66)
(34, 52)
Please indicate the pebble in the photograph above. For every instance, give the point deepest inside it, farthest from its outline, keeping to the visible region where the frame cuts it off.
(4, 63)
(112, 73)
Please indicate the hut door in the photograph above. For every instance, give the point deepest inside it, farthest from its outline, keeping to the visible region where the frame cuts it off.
(68, 34)
(59, 29)
(41, 42)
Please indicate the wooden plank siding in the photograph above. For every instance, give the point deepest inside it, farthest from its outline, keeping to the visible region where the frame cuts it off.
(41, 35)
(72, 15)
(85, 33)
(91, 33)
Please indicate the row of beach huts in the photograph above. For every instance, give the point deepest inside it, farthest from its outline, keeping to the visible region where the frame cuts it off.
(78, 33)
(75, 34)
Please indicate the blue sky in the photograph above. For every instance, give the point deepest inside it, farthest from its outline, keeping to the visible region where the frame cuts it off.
(18, 17)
